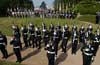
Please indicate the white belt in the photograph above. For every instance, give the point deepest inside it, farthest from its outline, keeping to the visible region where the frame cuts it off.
(88, 54)
(65, 37)
(17, 47)
(56, 37)
(46, 36)
(51, 52)
(75, 39)
(25, 33)
(38, 35)
(32, 34)
(97, 41)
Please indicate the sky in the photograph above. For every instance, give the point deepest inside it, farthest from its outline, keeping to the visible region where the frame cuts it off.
(49, 3)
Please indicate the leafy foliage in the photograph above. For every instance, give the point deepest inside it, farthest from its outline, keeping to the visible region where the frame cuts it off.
(87, 7)
(43, 5)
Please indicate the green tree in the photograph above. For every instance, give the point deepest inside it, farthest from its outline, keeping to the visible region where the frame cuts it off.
(87, 7)
(43, 5)
(4, 4)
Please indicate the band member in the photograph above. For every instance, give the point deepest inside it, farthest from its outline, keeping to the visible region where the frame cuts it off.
(25, 35)
(31, 34)
(89, 32)
(56, 41)
(50, 55)
(82, 36)
(65, 38)
(88, 53)
(51, 28)
(38, 37)
(16, 48)
(45, 36)
(74, 39)
(96, 42)
(3, 44)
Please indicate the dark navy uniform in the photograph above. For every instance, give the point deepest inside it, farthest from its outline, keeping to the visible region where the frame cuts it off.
(25, 35)
(89, 32)
(51, 28)
(38, 38)
(16, 32)
(88, 53)
(65, 38)
(59, 32)
(31, 35)
(45, 36)
(56, 41)
(3, 44)
(82, 35)
(96, 43)
(74, 41)
(16, 47)
(51, 55)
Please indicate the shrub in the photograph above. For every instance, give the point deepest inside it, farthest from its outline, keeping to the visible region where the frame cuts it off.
(90, 7)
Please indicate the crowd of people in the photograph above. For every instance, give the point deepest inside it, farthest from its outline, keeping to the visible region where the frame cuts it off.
(24, 12)
(33, 37)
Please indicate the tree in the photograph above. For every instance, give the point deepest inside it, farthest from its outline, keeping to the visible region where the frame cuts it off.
(87, 7)
(4, 4)
(43, 5)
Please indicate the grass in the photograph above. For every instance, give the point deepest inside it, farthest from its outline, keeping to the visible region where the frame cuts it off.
(88, 18)
(8, 63)
(5, 23)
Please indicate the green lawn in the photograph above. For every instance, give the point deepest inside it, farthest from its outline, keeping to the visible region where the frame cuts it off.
(88, 18)
(8, 63)
(5, 23)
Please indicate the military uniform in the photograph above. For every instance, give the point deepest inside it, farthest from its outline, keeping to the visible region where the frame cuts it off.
(56, 41)
(16, 48)
(82, 36)
(59, 32)
(89, 32)
(25, 35)
(3, 44)
(16, 32)
(31, 35)
(88, 53)
(51, 28)
(51, 55)
(38, 38)
(74, 41)
(96, 43)
(65, 38)
(18, 35)
(45, 36)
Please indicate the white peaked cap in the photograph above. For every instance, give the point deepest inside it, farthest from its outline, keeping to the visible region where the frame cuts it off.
(90, 26)
(66, 26)
(30, 24)
(82, 27)
(36, 29)
(48, 45)
(13, 27)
